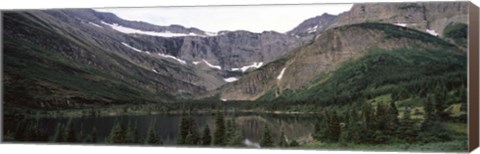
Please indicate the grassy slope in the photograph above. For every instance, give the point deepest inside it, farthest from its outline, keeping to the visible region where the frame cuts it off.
(382, 71)
(35, 73)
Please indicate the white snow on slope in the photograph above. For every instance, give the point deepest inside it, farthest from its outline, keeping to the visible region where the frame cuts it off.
(432, 32)
(230, 79)
(135, 49)
(245, 68)
(312, 29)
(172, 57)
(279, 77)
(160, 54)
(223, 99)
(196, 62)
(212, 66)
(91, 23)
(128, 30)
(401, 24)
(154, 70)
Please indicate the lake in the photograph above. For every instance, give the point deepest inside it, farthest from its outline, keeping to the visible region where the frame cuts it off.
(297, 127)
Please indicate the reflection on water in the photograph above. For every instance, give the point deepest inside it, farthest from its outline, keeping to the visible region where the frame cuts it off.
(168, 125)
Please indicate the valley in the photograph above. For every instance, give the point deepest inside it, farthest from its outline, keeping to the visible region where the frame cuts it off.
(367, 78)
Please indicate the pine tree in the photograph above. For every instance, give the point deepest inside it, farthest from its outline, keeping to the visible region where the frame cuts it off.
(184, 128)
(152, 137)
(117, 134)
(406, 130)
(317, 131)
(266, 140)
(219, 134)
(194, 137)
(130, 134)
(92, 136)
(207, 138)
(70, 132)
(392, 117)
(58, 136)
(333, 127)
(81, 135)
(282, 139)
(430, 114)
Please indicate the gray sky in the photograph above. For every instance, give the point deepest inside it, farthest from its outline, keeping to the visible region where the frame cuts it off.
(280, 18)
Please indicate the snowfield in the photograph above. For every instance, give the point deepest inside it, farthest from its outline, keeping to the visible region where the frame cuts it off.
(212, 66)
(279, 77)
(128, 30)
(245, 68)
(160, 54)
(230, 79)
(432, 32)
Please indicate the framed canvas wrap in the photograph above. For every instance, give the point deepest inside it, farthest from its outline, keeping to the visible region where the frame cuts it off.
(338, 76)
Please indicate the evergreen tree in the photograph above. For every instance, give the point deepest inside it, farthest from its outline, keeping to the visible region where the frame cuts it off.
(193, 137)
(117, 134)
(207, 138)
(236, 139)
(81, 135)
(219, 134)
(392, 117)
(294, 143)
(266, 140)
(92, 136)
(354, 127)
(406, 130)
(317, 131)
(430, 115)
(130, 135)
(368, 122)
(282, 140)
(184, 128)
(333, 127)
(70, 132)
(152, 137)
(58, 136)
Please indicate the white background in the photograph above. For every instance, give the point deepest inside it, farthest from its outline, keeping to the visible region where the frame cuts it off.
(83, 149)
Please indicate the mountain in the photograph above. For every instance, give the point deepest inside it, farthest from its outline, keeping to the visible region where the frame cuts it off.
(431, 17)
(80, 57)
(85, 58)
(309, 27)
(315, 70)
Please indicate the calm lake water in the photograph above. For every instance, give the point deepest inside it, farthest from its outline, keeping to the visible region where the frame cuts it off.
(294, 126)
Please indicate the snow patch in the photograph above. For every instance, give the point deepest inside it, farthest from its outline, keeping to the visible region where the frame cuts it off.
(223, 99)
(212, 66)
(245, 68)
(211, 33)
(160, 54)
(196, 62)
(432, 32)
(401, 24)
(230, 79)
(172, 57)
(312, 29)
(91, 23)
(133, 48)
(128, 30)
(279, 77)
(154, 70)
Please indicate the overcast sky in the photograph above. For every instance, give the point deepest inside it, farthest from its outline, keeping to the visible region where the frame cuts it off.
(280, 18)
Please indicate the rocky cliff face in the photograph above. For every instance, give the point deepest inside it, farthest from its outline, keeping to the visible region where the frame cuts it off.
(329, 49)
(159, 61)
(308, 28)
(432, 16)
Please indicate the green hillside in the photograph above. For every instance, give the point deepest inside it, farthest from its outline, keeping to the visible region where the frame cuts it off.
(405, 73)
